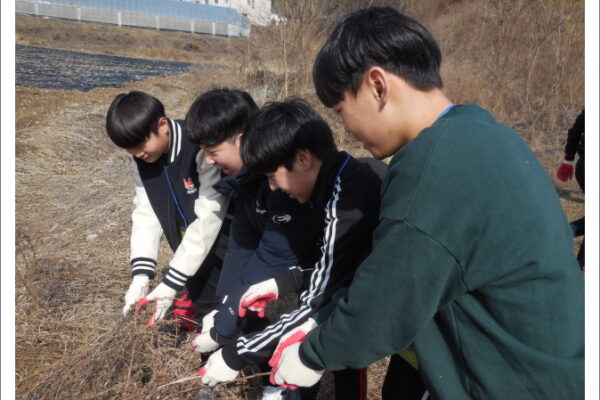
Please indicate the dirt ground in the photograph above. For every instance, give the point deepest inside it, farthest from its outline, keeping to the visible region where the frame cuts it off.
(73, 202)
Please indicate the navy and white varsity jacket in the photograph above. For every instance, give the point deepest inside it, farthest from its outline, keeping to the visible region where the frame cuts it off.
(175, 195)
(269, 234)
(347, 194)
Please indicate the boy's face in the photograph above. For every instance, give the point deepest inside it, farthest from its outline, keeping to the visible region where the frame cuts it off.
(225, 155)
(298, 182)
(155, 145)
(359, 114)
(374, 116)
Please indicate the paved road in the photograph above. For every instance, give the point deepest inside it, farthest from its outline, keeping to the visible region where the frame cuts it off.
(62, 69)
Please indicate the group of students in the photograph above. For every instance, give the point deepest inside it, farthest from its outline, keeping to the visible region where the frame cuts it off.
(457, 252)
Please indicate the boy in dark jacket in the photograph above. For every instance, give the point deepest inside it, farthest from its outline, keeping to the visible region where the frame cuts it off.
(174, 196)
(294, 147)
(491, 311)
(270, 232)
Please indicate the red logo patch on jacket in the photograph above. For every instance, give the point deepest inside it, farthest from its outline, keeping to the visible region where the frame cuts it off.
(189, 186)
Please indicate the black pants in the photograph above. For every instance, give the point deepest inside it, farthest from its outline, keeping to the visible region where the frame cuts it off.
(579, 225)
(202, 287)
(580, 172)
(350, 384)
(402, 381)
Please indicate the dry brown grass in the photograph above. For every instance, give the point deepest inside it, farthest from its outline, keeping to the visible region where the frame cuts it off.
(74, 190)
(126, 41)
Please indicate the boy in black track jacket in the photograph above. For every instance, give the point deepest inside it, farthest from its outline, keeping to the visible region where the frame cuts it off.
(174, 196)
(294, 147)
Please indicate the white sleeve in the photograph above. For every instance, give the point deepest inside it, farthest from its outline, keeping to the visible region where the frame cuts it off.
(145, 231)
(210, 208)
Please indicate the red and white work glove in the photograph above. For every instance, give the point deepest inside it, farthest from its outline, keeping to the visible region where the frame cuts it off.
(203, 343)
(163, 295)
(139, 287)
(287, 369)
(565, 171)
(257, 296)
(216, 371)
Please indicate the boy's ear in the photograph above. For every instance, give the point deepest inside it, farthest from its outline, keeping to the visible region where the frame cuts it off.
(377, 82)
(304, 158)
(163, 124)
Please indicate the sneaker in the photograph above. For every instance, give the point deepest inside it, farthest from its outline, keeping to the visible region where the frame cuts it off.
(274, 393)
(184, 307)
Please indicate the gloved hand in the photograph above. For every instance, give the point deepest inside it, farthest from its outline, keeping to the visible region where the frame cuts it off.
(296, 335)
(164, 297)
(137, 289)
(183, 313)
(565, 171)
(257, 296)
(290, 372)
(216, 371)
(203, 343)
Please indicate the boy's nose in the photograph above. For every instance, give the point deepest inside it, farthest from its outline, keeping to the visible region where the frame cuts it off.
(209, 160)
(272, 185)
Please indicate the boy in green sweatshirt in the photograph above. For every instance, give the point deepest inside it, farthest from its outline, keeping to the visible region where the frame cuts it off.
(472, 263)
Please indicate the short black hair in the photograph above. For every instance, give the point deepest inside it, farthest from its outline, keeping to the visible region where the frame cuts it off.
(219, 115)
(375, 36)
(132, 117)
(279, 130)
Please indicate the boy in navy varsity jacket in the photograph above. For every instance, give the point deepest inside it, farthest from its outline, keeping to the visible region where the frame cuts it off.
(294, 147)
(174, 196)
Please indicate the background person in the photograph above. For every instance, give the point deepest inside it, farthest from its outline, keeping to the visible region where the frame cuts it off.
(575, 144)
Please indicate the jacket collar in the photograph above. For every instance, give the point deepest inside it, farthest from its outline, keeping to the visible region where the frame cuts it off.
(243, 184)
(326, 177)
(175, 141)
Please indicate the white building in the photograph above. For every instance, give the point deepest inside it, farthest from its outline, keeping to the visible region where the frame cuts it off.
(257, 11)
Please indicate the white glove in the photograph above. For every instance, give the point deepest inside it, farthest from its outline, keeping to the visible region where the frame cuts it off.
(208, 321)
(291, 372)
(257, 296)
(203, 343)
(216, 371)
(164, 296)
(296, 335)
(137, 289)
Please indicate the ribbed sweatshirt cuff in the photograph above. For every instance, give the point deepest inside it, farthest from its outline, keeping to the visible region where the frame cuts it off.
(290, 281)
(143, 266)
(308, 362)
(175, 279)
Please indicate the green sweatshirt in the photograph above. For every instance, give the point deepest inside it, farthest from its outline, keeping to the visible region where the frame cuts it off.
(472, 265)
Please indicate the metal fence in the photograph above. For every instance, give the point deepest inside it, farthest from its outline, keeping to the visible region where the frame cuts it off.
(154, 14)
